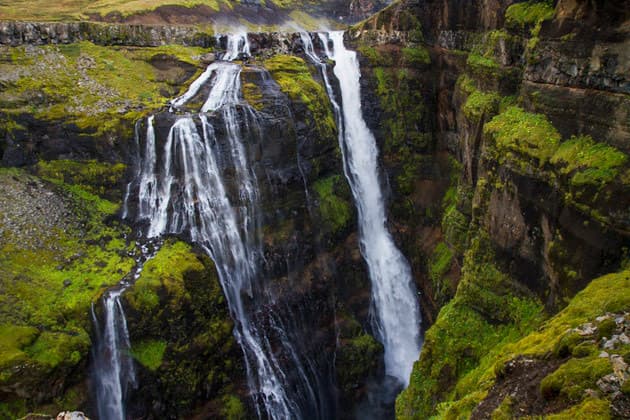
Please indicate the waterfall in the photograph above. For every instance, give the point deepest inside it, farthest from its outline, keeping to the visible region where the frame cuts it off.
(114, 372)
(395, 311)
(182, 188)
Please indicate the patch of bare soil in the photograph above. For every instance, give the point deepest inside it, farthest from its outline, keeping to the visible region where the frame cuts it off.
(520, 380)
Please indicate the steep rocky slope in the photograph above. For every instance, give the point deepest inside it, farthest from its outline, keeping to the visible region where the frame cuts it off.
(503, 128)
(517, 200)
(67, 109)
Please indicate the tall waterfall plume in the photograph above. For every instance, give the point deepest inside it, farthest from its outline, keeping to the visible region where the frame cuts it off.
(199, 182)
(396, 315)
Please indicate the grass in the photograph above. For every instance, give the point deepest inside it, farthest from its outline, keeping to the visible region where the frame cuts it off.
(92, 86)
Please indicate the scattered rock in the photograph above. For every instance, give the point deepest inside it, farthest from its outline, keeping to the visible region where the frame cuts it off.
(620, 367)
(609, 384)
(72, 415)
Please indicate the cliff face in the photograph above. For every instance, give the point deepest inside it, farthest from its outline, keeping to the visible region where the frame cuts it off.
(67, 109)
(503, 130)
(519, 191)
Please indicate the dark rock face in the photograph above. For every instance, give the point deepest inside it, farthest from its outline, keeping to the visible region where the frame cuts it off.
(19, 33)
(519, 215)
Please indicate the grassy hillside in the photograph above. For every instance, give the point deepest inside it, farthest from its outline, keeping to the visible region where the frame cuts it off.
(140, 10)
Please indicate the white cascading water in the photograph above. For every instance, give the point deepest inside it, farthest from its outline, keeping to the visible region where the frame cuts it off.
(185, 193)
(396, 314)
(113, 366)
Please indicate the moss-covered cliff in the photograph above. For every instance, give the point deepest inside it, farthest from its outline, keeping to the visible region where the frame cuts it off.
(525, 188)
(503, 130)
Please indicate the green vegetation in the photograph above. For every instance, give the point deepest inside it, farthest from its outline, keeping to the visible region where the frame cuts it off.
(481, 104)
(590, 408)
(233, 408)
(463, 353)
(52, 272)
(69, 10)
(95, 177)
(587, 162)
(100, 89)
(415, 56)
(181, 332)
(523, 134)
(575, 376)
(296, 80)
(149, 353)
(335, 210)
(528, 14)
(375, 56)
(589, 172)
(440, 264)
(165, 271)
(463, 344)
(356, 358)
(42, 10)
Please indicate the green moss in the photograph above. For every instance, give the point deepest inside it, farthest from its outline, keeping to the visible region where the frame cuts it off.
(575, 376)
(455, 228)
(97, 178)
(356, 358)
(505, 410)
(49, 285)
(587, 162)
(439, 264)
(460, 349)
(461, 338)
(483, 66)
(591, 408)
(13, 340)
(165, 272)
(295, 79)
(335, 210)
(375, 56)
(100, 89)
(149, 353)
(528, 14)
(524, 134)
(52, 349)
(415, 56)
(253, 95)
(233, 408)
(481, 104)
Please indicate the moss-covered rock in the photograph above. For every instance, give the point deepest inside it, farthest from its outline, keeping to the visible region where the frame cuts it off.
(181, 336)
(569, 382)
(295, 78)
